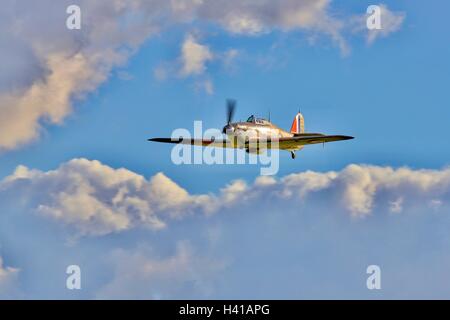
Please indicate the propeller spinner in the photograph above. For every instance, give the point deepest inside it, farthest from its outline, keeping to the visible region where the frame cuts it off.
(231, 107)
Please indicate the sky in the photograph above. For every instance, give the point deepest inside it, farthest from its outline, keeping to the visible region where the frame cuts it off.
(81, 185)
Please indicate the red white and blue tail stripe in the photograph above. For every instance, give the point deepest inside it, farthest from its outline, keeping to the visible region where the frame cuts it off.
(298, 125)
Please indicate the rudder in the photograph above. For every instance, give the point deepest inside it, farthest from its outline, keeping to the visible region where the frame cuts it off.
(298, 125)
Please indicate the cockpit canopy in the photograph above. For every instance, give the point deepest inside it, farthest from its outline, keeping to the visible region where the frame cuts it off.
(253, 119)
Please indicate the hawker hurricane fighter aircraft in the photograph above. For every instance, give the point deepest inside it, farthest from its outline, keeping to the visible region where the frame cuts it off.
(256, 135)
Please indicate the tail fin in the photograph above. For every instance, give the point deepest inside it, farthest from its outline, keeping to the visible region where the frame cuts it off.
(298, 125)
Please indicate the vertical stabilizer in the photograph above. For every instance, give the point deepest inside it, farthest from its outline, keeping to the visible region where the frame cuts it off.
(298, 125)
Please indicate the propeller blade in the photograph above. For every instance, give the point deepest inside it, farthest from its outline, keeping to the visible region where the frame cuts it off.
(231, 106)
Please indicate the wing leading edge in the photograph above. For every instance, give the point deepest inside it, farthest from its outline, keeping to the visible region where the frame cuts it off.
(195, 142)
(306, 139)
(289, 143)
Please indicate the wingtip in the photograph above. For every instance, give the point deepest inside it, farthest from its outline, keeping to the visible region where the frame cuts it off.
(346, 137)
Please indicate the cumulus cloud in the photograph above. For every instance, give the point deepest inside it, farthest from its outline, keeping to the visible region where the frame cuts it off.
(193, 62)
(22, 112)
(96, 199)
(142, 274)
(58, 65)
(253, 17)
(47, 66)
(361, 188)
(194, 56)
(388, 216)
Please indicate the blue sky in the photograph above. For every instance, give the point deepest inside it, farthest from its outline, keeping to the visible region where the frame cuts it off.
(390, 94)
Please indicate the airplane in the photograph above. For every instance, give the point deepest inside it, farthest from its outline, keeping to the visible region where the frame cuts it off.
(261, 133)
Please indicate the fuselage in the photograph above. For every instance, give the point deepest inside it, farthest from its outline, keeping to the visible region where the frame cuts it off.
(256, 130)
(253, 129)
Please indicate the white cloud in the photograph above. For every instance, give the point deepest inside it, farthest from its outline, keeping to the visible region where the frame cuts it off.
(49, 100)
(194, 56)
(96, 199)
(47, 66)
(362, 188)
(253, 18)
(60, 65)
(193, 61)
(246, 225)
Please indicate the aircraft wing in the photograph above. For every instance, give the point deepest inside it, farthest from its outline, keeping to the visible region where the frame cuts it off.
(290, 143)
(196, 142)
(295, 142)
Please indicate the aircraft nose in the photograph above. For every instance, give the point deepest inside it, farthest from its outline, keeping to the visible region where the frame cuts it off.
(228, 129)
